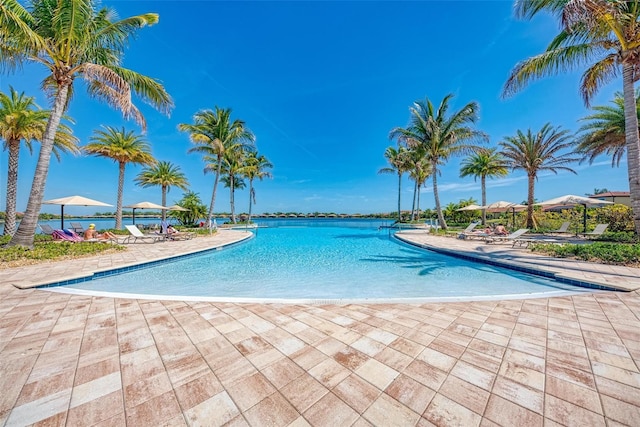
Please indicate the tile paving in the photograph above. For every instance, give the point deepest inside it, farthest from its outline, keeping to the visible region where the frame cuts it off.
(86, 360)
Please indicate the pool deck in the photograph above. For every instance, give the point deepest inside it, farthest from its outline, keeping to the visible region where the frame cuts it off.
(82, 360)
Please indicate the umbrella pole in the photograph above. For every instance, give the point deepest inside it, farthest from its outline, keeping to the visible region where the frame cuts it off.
(584, 220)
(61, 217)
(134, 216)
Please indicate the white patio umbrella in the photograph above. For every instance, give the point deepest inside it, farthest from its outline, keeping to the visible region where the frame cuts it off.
(144, 205)
(502, 206)
(471, 207)
(177, 208)
(75, 201)
(573, 200)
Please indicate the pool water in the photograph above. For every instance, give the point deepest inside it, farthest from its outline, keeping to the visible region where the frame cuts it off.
(325, 263)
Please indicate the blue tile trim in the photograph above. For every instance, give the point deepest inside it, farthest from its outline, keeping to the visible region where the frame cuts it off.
(511, 266)
(141, 266)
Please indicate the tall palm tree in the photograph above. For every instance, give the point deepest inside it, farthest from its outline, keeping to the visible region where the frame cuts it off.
(255, 168)
(22, 120)
(441, 135)
(122, 147)
(234, 167)
(484, 163)
(604, 34)
(212, 133)
(550, 149)
(397, 159)
(73, 38)
(165, 175)
(419, 171)
(604, 131)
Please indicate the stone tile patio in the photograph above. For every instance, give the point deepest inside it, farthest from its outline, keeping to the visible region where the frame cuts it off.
(83, 360)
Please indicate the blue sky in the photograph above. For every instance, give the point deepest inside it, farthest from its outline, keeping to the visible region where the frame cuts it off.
(321, 84)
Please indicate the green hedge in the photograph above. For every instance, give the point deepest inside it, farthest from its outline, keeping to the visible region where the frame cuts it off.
(604, 252)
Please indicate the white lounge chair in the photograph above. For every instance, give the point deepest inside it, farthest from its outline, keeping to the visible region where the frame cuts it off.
(597, 231)
(564, 228)
(136, 235)
(464, 233)
(508, 238)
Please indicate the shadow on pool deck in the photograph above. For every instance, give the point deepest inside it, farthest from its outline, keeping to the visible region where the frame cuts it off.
(82, 360)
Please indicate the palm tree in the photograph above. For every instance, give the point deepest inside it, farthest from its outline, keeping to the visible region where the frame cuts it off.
(397, 159)
(213, 133)
(605, 34)
(256, 168)
(166, 175)
(484, 163)
(545, 150)
(122, 147)
(195, 209)
(234, 167)
(73, 38)
(21, 119)
(441, 136)
(604, 132)
(419, 171)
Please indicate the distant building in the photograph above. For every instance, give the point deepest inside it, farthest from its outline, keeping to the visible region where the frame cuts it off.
(620, 197)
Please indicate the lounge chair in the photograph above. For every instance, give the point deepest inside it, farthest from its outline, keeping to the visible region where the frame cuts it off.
(181, 235)
(66, 235)
(46, 229)
(136, 235)
(77, 228)
(508, 238)
(596, 231)
(564, 228)
(464, 233)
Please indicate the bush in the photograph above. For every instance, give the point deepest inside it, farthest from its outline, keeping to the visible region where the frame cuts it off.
(604, 252)
(619, 217)
(46, 249)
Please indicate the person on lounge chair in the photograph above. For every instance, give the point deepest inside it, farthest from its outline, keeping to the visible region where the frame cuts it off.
(500, 230)
(91, 233)
(171, 231)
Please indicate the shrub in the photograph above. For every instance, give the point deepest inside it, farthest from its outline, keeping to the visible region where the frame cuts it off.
(605, 252)
(47, 249)
(619, 217)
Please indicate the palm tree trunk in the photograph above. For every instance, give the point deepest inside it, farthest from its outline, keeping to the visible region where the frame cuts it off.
(530, 190)
(121, 166)
(399, 192)
(633, 141)
(441, 220)
(215, 188)
(231, 199)
(164, 202)
(12, 187)
(413, 205)
(26, 231)
(251, 199)
(418, 204)
(483, 186)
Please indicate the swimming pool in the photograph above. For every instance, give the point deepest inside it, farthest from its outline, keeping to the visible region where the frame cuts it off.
(324, 263)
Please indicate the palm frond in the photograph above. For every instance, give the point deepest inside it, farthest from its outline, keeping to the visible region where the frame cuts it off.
(597, 75)
(546, 64)
(147, 88)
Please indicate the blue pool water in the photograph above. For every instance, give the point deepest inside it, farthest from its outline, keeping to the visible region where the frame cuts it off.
(325, 263)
